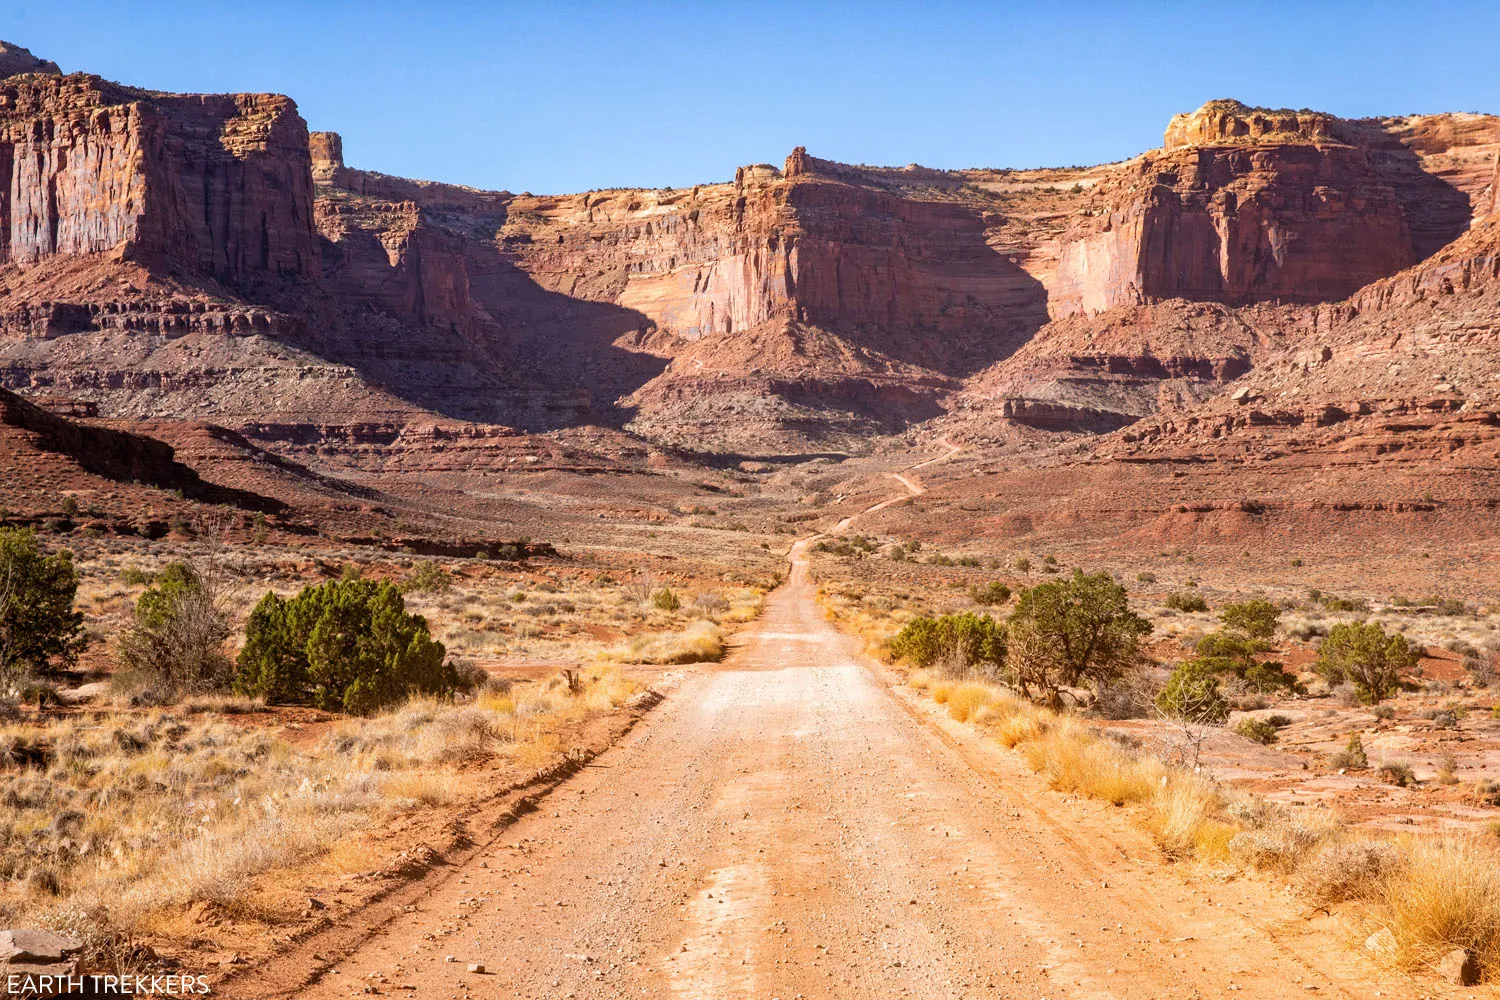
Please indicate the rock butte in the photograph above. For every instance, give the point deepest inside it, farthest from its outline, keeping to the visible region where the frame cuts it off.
(206, 258)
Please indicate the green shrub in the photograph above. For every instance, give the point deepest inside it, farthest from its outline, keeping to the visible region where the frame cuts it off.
(1192, 694)
(955, 643)
(993, 594)
(1183, 601)
(430, 578)
(134, 576)
(39, 629)
(1257, 619)
(665, 600)
(345, 645)
(176, 640)
(1366, 656)
(1270, 677)
(1145, 577)
(1257, 730)
(1072, 633)
(1353, 756)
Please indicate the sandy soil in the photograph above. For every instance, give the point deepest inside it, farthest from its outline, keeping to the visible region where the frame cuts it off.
(788, 826)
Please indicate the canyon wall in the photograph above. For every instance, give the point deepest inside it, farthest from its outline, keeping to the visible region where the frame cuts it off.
(809, 296)
(1238, 208)
(221, 184)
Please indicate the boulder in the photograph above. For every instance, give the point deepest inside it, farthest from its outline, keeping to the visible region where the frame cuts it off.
(1458, 967)
(1382, 942)
(38, 953)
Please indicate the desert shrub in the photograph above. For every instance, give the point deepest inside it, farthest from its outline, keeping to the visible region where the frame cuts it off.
(344, 645)
(992, 594)
(1480, 668)
(1132, 696)
(1256, 619)
(1256, 729)
(1269, 677)
(1145, 577)
(1072, 633)
(956, 644)
(854, 545)
(1332, 603)
(1183, 601)
(1363, 654)
(1306, 631)
(39, 629)
(1192, 694)
(1395, 772)
(710, 603)
(665, 600)
(176, 640)
(1384, 712)
(134, 576)
(430, 578)
(1353, 756)
(1022, 564)
(1354, 869)
(470, 676)
(1279, 846)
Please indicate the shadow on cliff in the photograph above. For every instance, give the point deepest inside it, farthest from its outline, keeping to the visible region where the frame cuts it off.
(1436, 213)
(513, 353)
(566, 345)
(916, 281)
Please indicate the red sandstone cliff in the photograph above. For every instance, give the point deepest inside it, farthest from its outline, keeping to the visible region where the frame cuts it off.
(1239, 206)
(817, 299)
(221, 184)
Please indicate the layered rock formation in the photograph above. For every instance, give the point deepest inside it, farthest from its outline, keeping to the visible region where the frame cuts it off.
(206, 257)
(15, 60)
(219, 184)
(1239, 206)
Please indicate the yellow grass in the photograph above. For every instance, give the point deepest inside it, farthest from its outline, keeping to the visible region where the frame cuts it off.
(700, 642)
(140, 815)
(1434, 895)
(1446, 896)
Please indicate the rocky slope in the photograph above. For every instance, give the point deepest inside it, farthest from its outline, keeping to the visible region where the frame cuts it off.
(205, 257)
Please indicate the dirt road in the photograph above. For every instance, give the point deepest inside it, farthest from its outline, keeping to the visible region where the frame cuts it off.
(788, 826)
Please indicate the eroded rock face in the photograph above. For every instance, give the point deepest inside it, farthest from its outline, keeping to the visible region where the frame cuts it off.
(1238, 208)
(219, 183)
(816, 299)
(1228, 121)
(15, 60)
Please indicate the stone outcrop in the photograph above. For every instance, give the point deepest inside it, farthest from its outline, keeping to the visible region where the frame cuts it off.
(1228, 122)
(15, 60)
(31, 953)
(1238, 207)
(206, 257)
(219, 184)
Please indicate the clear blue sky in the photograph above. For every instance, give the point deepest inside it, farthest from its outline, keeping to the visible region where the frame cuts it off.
(566, 96)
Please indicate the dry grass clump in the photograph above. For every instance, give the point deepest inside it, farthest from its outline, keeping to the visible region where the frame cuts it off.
(1433, 894)
(968, 701)
(1074, 760)
(1349, 870)
(1446, 895)
(700, 642)
(137, 816)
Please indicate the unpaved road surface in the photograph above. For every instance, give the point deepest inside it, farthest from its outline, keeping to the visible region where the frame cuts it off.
(787, 826)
